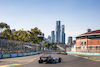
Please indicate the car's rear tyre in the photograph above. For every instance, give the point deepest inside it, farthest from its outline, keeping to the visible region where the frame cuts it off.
(40, 61)
(59, 60)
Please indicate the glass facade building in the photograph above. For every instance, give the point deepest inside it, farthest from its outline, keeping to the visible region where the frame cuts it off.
(58, 31)
(63, 34)
(52, 36)
(70, 40)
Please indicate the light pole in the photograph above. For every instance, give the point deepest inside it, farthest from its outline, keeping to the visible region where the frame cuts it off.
(41, 36)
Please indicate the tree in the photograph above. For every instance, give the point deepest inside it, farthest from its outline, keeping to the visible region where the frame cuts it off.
(21, 35)
(6, 34)
(33, 34)
(54, 46)
(4, 25)
(47, 44)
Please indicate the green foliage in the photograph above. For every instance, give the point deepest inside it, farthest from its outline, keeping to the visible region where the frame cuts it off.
(4, 25)
(52, 45)
(20, 35)
(33, 35)
(47, 44)
(6, 34)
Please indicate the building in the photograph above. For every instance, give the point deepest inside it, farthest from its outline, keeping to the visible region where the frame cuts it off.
(13, 30)
(88, 42)
(49, 39)
(63, 34)
(74, 42)
(52, 37)
(70, 40)
(58, 31)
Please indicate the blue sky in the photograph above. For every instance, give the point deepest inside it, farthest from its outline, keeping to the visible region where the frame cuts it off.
(76, 15)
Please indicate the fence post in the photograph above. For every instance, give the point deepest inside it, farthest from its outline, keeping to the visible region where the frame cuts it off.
(13, 47)
(17, 46)
(1, 47)
(21, 47)
(8, 46)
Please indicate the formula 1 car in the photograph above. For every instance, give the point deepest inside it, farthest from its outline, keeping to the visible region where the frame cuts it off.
(49, 59)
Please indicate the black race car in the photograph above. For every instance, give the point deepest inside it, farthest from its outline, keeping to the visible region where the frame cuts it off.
(49, 59)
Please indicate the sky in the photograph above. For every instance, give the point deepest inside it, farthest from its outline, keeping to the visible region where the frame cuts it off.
(76, 15)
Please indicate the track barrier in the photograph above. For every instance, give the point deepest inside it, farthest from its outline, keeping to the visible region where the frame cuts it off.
(2, 56)
(83, 53)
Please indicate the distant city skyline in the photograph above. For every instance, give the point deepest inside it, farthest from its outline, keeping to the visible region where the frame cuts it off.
(59, 33)
(76, 15)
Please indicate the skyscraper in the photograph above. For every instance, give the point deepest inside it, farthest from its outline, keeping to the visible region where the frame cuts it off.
(52, 36)
(69, 40)
(63, 34)
(57, 31)
(49, 39)
(74, 42)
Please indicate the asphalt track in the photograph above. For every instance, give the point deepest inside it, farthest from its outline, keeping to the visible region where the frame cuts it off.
(68, 61)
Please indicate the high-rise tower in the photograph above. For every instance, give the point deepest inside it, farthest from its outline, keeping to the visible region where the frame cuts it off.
(58, 31)
(70, 40)
(63, 34)
(52, 36)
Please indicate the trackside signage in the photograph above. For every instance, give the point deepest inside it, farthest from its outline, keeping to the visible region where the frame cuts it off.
(0, 56)
(17, 55)
(37, 52)
(24, 54)
(34, 53)
(31, 53)
(6, 56)
(28, 53)
(14, 55)
(20, 54)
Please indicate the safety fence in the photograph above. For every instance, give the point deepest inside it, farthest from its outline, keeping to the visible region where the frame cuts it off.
(13, 47)
(48, 50)
(83, 53)
(2, 56)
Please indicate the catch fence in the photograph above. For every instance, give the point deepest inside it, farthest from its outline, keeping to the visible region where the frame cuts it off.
(12, 46)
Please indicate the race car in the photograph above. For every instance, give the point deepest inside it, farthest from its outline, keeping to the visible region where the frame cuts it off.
(49, 59)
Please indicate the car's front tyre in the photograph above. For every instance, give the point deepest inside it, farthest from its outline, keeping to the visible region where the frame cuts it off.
(40, 61)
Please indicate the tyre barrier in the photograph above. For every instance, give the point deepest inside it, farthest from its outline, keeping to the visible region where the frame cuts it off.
(2, 56)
